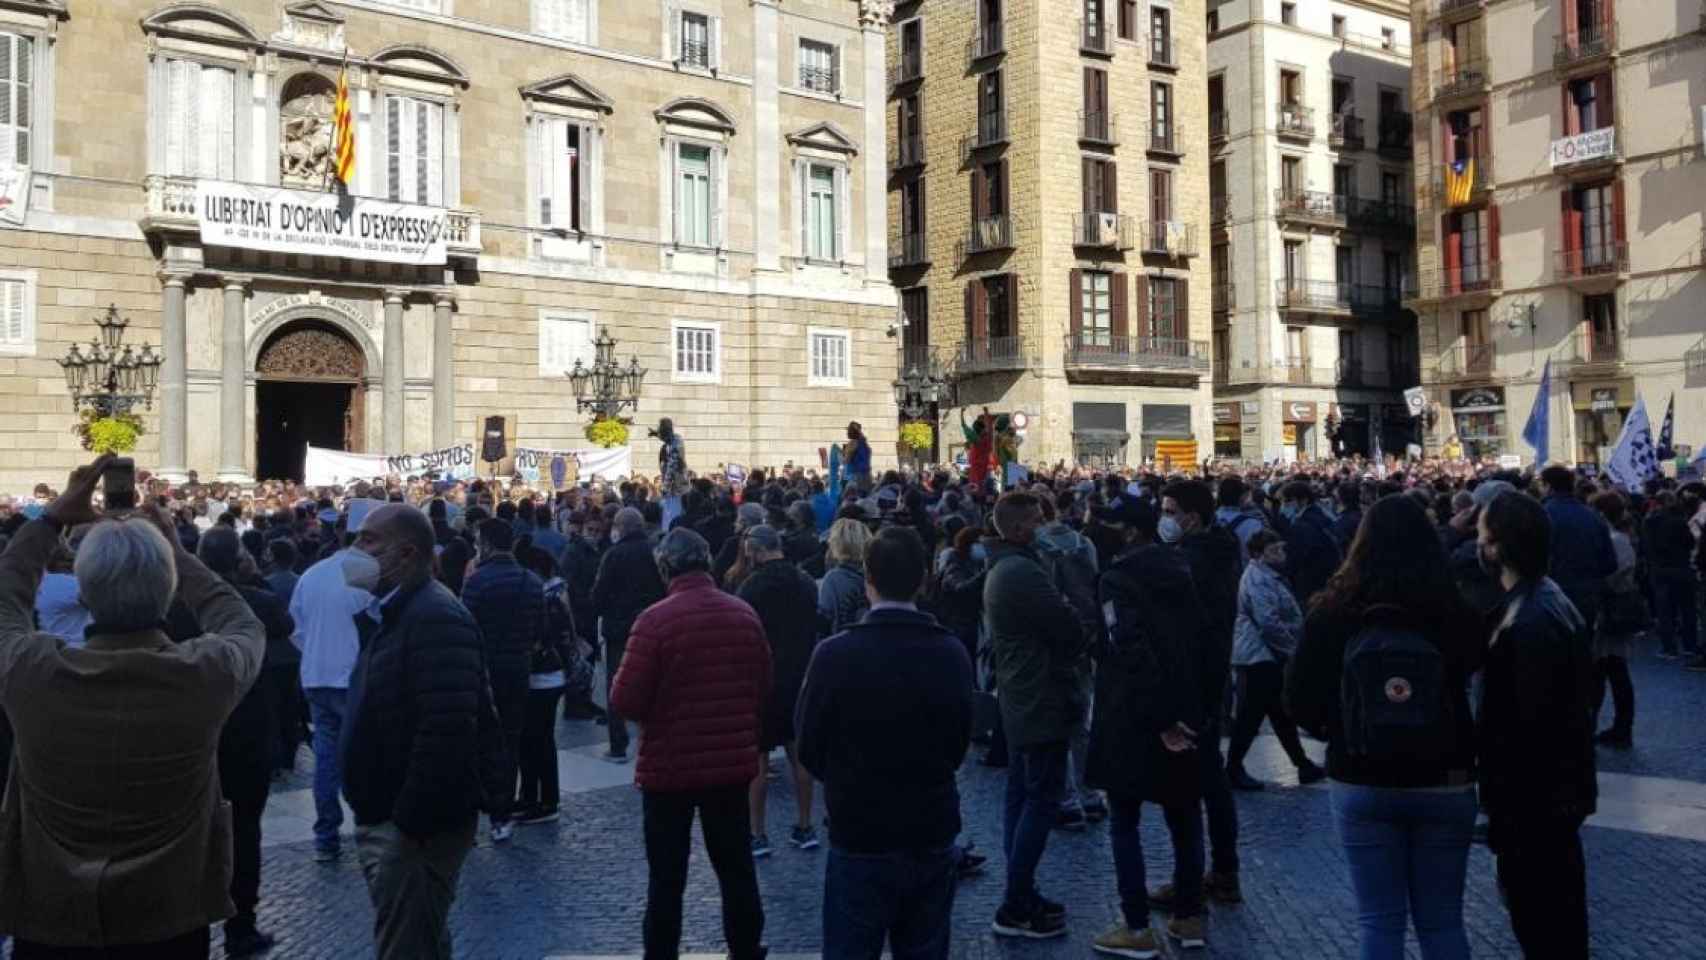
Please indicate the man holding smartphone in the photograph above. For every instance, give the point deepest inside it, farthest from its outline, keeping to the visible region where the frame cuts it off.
(125, 803)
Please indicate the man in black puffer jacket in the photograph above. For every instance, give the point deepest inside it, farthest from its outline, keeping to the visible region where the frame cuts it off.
(419, 728)
(1312, 555)
(508, 604)
(628, 583)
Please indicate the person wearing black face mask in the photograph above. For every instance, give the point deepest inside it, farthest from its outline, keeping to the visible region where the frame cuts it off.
(419, 726)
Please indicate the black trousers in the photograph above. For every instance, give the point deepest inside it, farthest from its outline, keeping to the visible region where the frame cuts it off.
(539, 750)
(194, 945)
(1614, 672)
(1260, 689)
(509, 696)
(618, 727)
(669, 838)
(291, 709)
(245, 775)
(1543, 876)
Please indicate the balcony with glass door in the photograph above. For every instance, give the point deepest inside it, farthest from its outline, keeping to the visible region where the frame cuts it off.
(1167, 139)
(989, 131)
(1465, 82)
(1217, 126)
(1098, 127)
(1593, 267)
(1394, 133)
(1093, 35)
(913, 250)
(991, 354)
(1474, 281)
(1162, 53)
(1467, 361)
(907, 151)
(1097, 350)
(1594, 353)
(994, 232)
(985, 42)
(1168, 238)
(1100, 228)
(1463, 182)
(908, 68)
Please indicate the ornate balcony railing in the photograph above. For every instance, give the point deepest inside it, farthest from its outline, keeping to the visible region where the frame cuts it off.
(912, 250)
(1170, 238)
(1169, 138)
(1593, 261)
(1467, 361)
(1295, 121)
(1096, 350)
(986, 42)
(1470, 280)
(1297, 295)
(1587, 45)
(1466, 79)
(1102, 229)
(1587, 349)
(1311, 207)
(1093, 35)
(1162, 52)
(910, 67)
(1097, 126)
(1344, 131)
(907, 151)
(986, 354)
(990, 233)
(990, 129)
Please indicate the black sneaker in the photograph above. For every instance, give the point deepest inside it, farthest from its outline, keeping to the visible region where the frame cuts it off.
(1222, 888)
(1239, 780)
(1050, 908)
(1310, 773)
(243, 940)
(1070, 819)
(1034, 924)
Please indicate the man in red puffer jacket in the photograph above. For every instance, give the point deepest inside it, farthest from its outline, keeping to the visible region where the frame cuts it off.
(694, 677)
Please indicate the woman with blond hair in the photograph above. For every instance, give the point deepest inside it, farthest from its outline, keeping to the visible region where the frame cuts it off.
(841, 594)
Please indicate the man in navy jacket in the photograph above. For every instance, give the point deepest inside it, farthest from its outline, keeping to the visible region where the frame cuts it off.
(886, 744)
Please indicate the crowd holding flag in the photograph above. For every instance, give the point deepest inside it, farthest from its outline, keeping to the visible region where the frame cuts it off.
(1538, 432)
(1634, 460)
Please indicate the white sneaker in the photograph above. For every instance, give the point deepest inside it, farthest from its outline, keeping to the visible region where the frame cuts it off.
(501, 832)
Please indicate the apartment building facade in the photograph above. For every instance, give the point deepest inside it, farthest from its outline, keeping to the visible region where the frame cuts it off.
(1312, 227)
(1561, 207)
(1048, 200)
(699, 179)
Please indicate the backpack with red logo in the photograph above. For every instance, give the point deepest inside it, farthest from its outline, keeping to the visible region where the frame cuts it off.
(1393, 700)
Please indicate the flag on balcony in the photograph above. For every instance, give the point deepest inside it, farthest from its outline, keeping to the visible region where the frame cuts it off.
(1667, 451)
(1538, 432)
(343, 135)
(1634, 460)
(1459, 182)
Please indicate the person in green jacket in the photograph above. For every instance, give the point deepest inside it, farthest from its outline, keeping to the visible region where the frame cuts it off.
(1037, 640)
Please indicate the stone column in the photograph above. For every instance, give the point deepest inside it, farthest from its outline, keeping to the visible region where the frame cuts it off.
(392, 415)
(443, 376)
(767, 134)
(174, 380)
(873, 20)
(233, 415)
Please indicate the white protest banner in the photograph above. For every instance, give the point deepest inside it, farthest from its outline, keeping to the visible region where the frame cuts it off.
(1415, 401)
(319, 224)
(14, 193)
(596, 463)
(326, 468)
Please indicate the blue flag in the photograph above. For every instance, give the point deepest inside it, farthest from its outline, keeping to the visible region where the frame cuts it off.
(1538, 432)
(1667, 451)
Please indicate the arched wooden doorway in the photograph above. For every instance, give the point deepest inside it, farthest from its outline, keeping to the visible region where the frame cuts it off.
(307, 392)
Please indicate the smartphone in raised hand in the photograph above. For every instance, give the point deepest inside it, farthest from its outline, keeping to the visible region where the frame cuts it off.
(118, 485)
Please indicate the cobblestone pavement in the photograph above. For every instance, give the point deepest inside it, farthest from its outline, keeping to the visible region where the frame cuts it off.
(577, 888)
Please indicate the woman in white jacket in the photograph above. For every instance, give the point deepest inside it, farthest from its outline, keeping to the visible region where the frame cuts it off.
(1267, 632)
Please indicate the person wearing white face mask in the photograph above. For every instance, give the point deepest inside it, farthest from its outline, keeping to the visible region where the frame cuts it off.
(323, 607)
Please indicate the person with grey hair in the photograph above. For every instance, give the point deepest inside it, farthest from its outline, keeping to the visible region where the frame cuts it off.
(731, 555)
(246, 744)
(694, 677)
(626, 585)
(127, 839)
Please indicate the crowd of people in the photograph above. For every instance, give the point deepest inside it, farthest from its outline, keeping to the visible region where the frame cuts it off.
(1449, 631)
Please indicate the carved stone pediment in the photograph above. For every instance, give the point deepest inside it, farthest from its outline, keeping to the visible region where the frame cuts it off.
(315, 26)
(824, 136)
(570, 91)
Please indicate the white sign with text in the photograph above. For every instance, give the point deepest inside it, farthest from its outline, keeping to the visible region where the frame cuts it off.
(320, 224)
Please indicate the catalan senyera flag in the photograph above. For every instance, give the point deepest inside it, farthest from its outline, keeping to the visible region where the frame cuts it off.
(1459, 182)
(343, 135)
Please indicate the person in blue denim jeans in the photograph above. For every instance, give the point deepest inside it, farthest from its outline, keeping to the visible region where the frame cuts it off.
(887, 744)
(323, 607)
(1405, 820)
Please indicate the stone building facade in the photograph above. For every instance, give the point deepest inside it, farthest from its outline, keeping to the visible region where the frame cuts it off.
(1312, 253)
(1561, 207)
(1048, 198)
(699, 179)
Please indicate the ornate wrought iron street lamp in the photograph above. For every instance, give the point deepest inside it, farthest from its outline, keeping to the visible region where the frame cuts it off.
(607, 387)
(920, 386)
(110, 376)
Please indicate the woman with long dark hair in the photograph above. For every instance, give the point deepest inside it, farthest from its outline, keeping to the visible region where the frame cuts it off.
(1400, 740)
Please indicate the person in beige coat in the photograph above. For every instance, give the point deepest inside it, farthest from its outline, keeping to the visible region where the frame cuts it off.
(114, 835)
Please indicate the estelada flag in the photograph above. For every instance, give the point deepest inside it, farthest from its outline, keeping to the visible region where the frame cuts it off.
(1459, 182)
(343, 136)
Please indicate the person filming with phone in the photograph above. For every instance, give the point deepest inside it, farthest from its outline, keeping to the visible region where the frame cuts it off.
(114, 840)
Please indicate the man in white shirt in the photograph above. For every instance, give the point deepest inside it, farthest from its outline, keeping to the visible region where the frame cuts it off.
(324, 607)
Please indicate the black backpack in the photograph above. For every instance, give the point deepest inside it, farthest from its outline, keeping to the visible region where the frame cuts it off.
(1394, 700)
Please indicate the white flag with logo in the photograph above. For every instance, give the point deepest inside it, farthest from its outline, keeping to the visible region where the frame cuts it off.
(1634, 460)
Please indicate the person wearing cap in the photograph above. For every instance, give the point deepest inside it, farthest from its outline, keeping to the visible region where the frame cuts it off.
(324, 608)
(694, 677)
(785, 600)
(1156, 683)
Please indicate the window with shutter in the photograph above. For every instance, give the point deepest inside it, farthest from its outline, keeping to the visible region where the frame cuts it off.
(414, 150)
(822, 212)
(563, 19)
(16, 63)
(817, 66)
(201, 120)
(697, 348)
(694, 43)
(693, 192)
(17, 312)
(830, 358)
(562, 170)
(1096, 310)
(563, 339)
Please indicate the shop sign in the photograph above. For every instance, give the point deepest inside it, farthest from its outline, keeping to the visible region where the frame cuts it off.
(1603, 400)
(1226, 413)
(1300, 411)
(1478, 398)
(320, 224)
